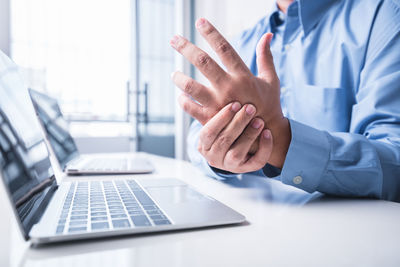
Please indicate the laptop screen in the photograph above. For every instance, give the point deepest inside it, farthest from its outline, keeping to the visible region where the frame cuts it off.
(56, 127)
(24, 160)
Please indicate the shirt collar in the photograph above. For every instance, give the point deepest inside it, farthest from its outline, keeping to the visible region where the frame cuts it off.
(311, 12)
(276, 18)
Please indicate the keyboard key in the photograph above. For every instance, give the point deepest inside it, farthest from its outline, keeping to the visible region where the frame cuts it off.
(113, 203)
(116, 207)
(79, 208)
(134, 208)
(98, 209)
(121, 223)
(60, 229)
(100, 225)
(98, 205)
(140, 220)
(143, 198)
(150, 207)
(77, 229)
(99, 214)
(135, 212)
(96, 219)
(77, 223)
(162, 222)
(154, 212)
(158, 217)
(79, 212)
(131, 204)
(81, 217)
(116, 216)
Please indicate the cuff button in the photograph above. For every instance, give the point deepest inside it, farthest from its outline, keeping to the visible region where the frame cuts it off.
(297, 179)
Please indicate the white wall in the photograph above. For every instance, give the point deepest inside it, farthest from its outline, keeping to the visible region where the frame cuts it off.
(5, 26)
(233, 16)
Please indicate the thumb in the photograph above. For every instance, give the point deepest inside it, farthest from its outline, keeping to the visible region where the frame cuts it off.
(265, 62)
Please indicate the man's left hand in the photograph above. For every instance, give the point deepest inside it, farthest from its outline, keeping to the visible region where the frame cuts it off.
(235, 84)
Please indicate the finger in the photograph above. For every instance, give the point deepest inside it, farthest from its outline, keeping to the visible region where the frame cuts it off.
(220, 45)
(237, 153)
(232, 131)
(258, 160)
(203, 62)
(192, 108)
(199, 92)
(265, 61)
(216, 124)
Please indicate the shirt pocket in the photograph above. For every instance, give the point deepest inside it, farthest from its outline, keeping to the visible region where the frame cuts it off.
(324, 108)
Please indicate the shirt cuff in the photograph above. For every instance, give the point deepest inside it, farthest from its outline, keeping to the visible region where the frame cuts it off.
(271, 171)
(307, 157)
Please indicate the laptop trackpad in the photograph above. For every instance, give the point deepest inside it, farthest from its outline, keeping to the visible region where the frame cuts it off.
(175, 194)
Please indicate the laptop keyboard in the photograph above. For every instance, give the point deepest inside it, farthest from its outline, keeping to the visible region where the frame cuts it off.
(104, 205)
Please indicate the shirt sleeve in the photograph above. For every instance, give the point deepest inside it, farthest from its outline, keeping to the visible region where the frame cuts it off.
(365, 162)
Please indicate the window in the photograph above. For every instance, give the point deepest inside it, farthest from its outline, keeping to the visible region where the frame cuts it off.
(78, 51)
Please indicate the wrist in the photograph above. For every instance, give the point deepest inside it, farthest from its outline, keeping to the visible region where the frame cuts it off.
(281, 133)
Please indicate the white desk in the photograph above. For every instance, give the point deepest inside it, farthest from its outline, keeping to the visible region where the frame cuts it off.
(286, 227)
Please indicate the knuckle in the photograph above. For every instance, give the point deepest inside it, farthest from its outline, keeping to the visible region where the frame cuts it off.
(209, 30)
(223, 47)
(212, 162)
(250, 134)
(188, 86)
(181, 44)
(234, 157)
(224, 141)
(231, 164)
(206, 133)
(203, 59)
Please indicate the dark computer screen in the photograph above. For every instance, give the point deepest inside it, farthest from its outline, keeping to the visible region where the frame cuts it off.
(24, 160)
(56, 127)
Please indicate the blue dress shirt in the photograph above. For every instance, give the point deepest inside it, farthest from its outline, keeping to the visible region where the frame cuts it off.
(339, 66)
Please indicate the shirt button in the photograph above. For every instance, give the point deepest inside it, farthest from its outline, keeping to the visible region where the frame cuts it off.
(297, 179)
(287, 47)
(283, 90)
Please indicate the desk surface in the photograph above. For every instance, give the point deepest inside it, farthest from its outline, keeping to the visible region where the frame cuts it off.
(285, 227)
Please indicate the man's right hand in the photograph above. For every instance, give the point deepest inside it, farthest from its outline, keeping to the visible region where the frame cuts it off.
(225, 140)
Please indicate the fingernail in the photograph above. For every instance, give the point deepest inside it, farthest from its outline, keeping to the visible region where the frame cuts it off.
(236, 106)
(200, 22)
(172, 75)
(256, 124)
(250, 109)
(267, 134)
(174, 40)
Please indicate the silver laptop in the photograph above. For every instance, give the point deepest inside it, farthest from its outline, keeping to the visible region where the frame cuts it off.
(49, 212)
(64, 148)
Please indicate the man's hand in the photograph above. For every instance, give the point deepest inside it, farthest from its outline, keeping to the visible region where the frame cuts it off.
(226, 138)
(237, 84)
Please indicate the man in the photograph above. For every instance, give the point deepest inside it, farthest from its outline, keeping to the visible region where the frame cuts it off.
(324, 81)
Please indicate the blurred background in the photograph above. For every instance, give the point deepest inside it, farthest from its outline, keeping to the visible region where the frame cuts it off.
(109, 63)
